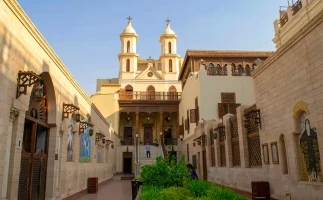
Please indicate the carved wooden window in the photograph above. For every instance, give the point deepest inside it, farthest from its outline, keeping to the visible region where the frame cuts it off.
(310, 154)
(216, 71)
(188, 119)
(151, 92)
(170, 65)
(252, 124)
(228, 97)
(192, 116)
(172, 93)
(240, 70)
(233, 69)
(128, 46)
(197, 112)
(222, 137)
(128, 65)
(186, 125)
(235, 141)
(169, 47)
(225, 108)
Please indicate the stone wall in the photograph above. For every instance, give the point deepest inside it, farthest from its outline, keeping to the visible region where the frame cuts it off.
(288, 91)
(23, 48)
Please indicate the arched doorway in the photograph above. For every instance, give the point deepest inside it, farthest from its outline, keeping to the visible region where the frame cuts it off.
(129, 92)
(151, 92)
(35, 144)
(172, 93)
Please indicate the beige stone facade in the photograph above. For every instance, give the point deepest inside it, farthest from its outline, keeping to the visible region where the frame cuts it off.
(214, 84)
(58, 142)
(286, 147)
(142, 104)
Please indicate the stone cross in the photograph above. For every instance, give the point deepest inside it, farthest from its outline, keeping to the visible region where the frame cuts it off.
(129, 19)
(167, 21)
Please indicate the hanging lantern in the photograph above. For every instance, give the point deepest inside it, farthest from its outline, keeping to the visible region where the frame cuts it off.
(103, 140)
(39, 93)
(77, 117)
(193, 144)
(112, 146)
(91, 132)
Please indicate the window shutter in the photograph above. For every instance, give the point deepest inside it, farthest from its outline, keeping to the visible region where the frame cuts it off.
(197, 112)
(221, 110)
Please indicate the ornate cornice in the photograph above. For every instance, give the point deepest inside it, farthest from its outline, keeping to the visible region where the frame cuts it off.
(224, 54)
(290, 43)
(221, 54)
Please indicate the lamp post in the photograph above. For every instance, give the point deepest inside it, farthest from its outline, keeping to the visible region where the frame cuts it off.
(137, 155)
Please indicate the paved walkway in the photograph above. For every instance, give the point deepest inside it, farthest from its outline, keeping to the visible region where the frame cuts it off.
(114, 190)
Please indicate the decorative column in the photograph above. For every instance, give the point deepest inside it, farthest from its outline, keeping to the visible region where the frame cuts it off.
(14, 112)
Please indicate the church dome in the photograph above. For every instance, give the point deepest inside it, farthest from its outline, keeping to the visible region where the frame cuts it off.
(129, 29)
(168, 30)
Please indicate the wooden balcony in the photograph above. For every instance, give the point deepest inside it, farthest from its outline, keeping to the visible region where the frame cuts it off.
(151, 97)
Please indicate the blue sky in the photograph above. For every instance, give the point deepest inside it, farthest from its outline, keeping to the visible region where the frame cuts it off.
(85, 33)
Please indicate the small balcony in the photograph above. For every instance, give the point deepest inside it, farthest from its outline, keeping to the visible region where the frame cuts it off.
(131, 96)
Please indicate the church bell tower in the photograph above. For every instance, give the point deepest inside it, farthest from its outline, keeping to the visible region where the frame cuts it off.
(170, 60)
(128, 58)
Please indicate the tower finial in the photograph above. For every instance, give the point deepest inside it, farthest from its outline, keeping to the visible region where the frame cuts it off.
(168, 21)
(129, 19)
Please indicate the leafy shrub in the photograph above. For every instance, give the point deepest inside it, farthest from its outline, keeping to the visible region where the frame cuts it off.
(198, 187)
(164, 174)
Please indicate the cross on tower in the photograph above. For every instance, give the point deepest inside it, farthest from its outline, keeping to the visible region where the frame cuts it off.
(129, 19)
(167, 21)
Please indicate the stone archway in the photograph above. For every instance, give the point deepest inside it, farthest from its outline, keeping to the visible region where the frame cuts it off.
(38, 136)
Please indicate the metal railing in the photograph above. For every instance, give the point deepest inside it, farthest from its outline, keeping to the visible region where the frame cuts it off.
(150, 96)
(283, 20)
(296, 7)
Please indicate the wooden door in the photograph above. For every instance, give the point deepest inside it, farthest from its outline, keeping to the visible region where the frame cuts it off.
(204, 165)
(127, 162)
(33, 166)
(148, 135)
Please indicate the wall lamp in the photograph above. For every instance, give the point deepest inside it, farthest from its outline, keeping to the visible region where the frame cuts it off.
(29, 78)
(181, 137)
(85, 125)
(70, 108)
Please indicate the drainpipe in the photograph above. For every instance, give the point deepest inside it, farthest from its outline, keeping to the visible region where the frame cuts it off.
(14, 112)
(58, 196)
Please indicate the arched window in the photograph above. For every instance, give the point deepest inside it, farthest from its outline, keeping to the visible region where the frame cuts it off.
(128, 65)
(151, 92)
(169, 47)
(283, 154)
(211, 70)
(240, 70)
(233, 69)
(170, 65)
(172, 93)
(128, 46)
(129, 92)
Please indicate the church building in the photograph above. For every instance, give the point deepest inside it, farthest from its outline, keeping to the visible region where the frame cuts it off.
(145, 97)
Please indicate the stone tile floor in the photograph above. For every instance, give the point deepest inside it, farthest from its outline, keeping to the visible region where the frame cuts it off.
(113, 190)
